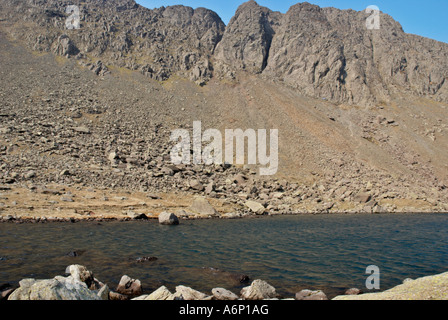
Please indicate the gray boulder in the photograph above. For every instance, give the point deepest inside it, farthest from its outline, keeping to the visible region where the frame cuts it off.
(255, 207)
(129, 287)
(258, 290)
(166, 218)
(311, 295)
(202, 207)
(59, 288)
(223, 294)
(191, 294)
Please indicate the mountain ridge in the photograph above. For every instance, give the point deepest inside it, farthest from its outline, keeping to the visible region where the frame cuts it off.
(324, 53)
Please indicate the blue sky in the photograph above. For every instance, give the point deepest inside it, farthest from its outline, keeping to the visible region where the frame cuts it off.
(426, 18)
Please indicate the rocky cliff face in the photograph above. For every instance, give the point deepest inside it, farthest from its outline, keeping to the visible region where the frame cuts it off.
(323, 52)
(329, 53)
(158, 43)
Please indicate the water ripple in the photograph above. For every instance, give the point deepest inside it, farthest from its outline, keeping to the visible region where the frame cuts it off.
(326, 252)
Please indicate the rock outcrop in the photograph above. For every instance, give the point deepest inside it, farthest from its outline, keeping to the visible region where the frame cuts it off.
(258, 290)
(78, 286)
(427, 288)
(323, 52)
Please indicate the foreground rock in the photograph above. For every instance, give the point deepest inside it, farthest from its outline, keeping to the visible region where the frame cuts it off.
(223, 294)
(426, 288)
(311, 295)
(80, 285)
(258, 290)
(161, 294)
(191, 294)
(129, 287)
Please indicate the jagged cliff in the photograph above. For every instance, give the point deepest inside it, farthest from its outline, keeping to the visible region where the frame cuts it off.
(323, 52)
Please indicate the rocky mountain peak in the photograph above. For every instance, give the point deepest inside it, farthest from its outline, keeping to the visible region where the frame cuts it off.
(324, 53)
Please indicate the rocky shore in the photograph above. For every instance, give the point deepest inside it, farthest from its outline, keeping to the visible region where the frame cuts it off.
(81, 284)
(59, 203)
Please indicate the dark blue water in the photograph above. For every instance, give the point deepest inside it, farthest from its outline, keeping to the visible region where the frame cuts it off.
(328, 252)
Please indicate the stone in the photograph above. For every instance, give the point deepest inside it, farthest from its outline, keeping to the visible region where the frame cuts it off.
(29, 175)
(82, 129)
(65, 46)
(210, 187)
(160, 294)
(5, 290)
(196, 185)
(129, 287)
(137, 216)
(64, 172)
(202, 207)
(352, 291)
(80, 273)
(104, 292)
(258, 290)
(191, 294)
(255, 207)
(140, 298)
(112, 157)
(166, 218)
(115, 296)
(59, 288)
(67, 199)
(223, 294)
(311, 295)
(362, 197)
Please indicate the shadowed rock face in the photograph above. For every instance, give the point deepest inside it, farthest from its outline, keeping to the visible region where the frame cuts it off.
(159, 43)
(329, 53)
(324, 52)
(248, 37)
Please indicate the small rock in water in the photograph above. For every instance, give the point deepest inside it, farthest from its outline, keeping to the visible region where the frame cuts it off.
(145, 259)
(75, 253)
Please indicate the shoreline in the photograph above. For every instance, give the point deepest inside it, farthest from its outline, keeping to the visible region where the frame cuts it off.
(34, 220)
(59, 203)
(80, 284)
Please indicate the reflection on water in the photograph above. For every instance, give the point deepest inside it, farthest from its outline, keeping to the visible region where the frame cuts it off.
(291, 253)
